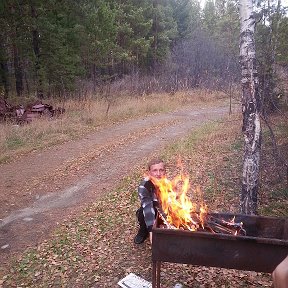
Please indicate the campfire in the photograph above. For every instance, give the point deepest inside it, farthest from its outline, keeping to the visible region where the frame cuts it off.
(185, 232)
(178, 211)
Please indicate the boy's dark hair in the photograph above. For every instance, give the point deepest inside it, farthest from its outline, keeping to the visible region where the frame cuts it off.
(155, 161)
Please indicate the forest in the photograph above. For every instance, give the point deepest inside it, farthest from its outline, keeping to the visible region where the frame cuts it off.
(71, 48)
(133, 76)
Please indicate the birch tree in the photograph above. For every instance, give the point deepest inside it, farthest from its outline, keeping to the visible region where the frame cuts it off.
(250, 109)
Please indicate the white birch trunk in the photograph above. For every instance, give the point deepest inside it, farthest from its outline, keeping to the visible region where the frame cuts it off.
(250, 110)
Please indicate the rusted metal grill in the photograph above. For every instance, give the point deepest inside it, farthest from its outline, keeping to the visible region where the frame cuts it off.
(264, 246)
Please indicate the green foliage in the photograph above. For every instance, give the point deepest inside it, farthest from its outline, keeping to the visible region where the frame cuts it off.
(14, 142)
(271, 47)
(187, 15)
(49, 47)
(99, 33)
(132, 30)
(210, 17)
(221, 22)
(282, 48)
(163, 31)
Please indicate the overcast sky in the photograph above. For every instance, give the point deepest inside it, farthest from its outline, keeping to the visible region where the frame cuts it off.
(283, 2)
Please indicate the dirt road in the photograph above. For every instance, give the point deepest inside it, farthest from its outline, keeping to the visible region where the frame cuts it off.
(41, 189)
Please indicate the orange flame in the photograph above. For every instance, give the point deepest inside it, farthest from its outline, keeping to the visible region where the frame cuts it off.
(180, 211)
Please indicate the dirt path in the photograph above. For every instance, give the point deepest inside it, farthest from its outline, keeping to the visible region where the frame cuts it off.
(38, 191)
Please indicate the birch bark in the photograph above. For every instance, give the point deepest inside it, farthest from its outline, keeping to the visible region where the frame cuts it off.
(250, 109)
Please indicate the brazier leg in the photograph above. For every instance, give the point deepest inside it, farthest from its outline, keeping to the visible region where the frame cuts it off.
(158, 268)
(156, 274)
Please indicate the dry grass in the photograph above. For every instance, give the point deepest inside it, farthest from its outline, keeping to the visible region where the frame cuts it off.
(82, 117)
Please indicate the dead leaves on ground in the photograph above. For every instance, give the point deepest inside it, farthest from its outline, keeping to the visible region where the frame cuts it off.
(96, 249)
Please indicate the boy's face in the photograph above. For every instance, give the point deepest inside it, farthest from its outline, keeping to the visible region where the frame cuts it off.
(157, 170)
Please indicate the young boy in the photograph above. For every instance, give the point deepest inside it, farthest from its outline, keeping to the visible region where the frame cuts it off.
(147, 194)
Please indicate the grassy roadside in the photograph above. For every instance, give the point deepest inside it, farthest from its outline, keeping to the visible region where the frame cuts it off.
(83, 117)
(96, 249)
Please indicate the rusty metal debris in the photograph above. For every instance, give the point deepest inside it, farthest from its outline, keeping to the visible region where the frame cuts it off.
(22, 115)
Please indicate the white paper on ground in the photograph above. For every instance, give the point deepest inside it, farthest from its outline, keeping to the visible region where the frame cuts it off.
(134, 281)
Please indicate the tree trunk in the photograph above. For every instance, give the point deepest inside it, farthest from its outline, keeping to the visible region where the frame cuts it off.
(4, 72)
(36, 49)
(18, 71)
(155, 27)
(250, 110)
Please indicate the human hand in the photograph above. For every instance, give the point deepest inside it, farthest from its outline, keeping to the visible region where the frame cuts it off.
(280, 275)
